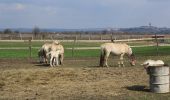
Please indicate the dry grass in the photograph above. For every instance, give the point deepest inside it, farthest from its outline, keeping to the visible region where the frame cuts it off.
(68, 82)
(32, 81)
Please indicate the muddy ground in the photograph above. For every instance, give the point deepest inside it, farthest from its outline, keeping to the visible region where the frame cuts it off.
(77, 79)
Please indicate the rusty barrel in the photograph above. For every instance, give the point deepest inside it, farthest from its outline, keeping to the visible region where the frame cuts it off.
(159, 79)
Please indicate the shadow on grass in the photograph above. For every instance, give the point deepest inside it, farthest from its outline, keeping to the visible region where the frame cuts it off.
(43, 65)
(40, 64)
(94, 66)
(98, 66)
(138, 88)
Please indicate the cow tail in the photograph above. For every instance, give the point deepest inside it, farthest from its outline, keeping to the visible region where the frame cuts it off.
(102, 57)
(44, 55)
(59, 59)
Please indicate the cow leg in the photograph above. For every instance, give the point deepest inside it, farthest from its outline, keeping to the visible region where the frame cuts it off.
(51, 61)
(46, 60)
(57, 61)
(61, 58)
(121, 60)
(106, 56)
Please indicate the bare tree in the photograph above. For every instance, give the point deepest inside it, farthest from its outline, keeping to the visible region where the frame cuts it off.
(7, 31)
(36, 31)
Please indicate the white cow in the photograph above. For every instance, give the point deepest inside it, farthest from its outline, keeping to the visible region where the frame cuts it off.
(116, 49)
(47, 47)
(43, 51)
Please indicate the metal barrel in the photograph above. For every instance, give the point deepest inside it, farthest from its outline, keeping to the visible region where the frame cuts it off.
(159, 79)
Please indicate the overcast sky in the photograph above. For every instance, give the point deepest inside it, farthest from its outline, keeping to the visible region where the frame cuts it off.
(75, 14)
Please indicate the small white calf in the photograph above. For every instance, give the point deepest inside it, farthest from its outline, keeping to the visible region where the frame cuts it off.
(54, 58)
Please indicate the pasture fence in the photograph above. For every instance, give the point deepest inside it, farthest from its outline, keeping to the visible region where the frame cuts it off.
(78, 48)
(72, 36)
(30, 48)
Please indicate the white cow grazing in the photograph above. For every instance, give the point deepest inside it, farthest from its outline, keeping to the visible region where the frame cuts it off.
(116, 49)
(54, 57)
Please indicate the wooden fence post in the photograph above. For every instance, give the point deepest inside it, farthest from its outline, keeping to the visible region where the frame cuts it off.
(101, 38)
(63, 37)
(73, 48)
(157, 44)
(76, 37)
(90, 36)
(52, 37)
(32, 37)
(30, 48)
(10, 37)
(20, 35)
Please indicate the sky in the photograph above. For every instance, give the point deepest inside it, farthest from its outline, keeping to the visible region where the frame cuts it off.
(76, 14)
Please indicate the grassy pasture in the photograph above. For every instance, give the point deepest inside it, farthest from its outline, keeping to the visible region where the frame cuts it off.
(24, 53)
